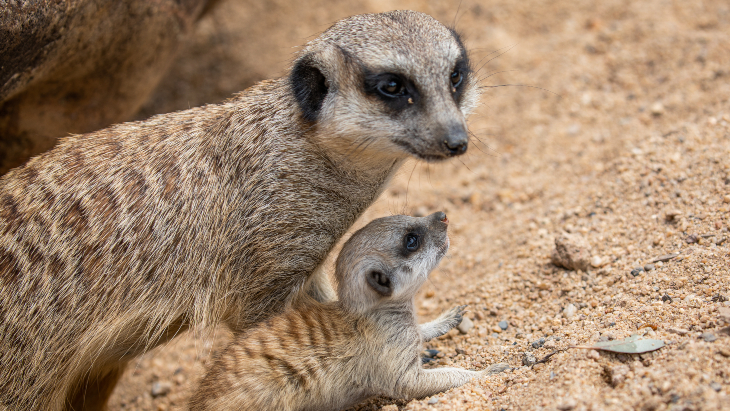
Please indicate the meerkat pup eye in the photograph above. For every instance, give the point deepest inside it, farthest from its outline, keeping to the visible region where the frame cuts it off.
(412, 242)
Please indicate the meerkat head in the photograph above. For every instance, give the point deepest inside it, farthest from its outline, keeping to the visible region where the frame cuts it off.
(389, 259)
(396, 84)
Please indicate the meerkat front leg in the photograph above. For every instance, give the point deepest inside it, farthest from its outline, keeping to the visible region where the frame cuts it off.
(423, 383)
(419, 382)
(440, 326)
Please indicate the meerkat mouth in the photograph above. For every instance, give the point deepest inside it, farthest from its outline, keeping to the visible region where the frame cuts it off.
(429, 158)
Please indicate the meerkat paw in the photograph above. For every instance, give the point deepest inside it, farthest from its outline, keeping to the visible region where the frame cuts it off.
(495, 368)
(443, 323)
(453, 317)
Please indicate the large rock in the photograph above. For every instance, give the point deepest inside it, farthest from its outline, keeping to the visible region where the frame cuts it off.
(572, 251)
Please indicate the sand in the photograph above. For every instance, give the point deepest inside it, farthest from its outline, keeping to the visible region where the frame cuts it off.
(623, 141)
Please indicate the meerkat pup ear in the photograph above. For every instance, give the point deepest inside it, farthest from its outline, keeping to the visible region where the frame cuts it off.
(309, 85)
(380, 282)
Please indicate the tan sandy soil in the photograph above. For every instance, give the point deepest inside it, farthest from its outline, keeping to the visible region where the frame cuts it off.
(629, 148)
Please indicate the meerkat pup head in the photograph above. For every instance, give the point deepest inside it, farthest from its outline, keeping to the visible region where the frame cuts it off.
(396, 84)
(389, 259)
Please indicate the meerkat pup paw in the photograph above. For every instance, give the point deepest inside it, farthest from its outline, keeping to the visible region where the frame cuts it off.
(495, 369)
(445, 322)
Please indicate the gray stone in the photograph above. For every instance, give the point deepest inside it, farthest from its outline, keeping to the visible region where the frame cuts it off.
(161, 388)
(709, 337)
(503, 325)
(528, 359)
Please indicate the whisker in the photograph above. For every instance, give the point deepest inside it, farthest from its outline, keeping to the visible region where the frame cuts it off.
(521, 85)
(494, 73)
(498, 55)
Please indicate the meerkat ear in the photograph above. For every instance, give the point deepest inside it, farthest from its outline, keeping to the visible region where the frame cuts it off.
(309, 86)
(380, 282)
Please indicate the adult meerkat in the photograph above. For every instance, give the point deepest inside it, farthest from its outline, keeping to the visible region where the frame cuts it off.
(329, 356)
(116, 241)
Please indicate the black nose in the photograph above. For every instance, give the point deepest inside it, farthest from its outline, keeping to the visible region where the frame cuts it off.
(456, 141)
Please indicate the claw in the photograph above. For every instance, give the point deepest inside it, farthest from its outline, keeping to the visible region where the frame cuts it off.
(496, 368)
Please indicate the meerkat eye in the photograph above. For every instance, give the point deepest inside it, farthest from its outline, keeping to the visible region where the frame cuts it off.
(392, 87)
(456, 78)
(412, 242)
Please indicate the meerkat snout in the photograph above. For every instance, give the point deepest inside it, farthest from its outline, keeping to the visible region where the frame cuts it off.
(390, 258)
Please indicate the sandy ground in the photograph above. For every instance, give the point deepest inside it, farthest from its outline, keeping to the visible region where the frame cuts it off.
(625, 143)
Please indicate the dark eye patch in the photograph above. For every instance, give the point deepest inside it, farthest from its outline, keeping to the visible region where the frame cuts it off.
(395, 90)
(458, 77)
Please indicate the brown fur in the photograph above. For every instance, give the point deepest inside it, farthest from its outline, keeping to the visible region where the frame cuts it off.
(329, 356)
(74, 66)
(116, 241)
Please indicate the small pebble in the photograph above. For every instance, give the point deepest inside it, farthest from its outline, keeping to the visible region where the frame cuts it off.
(528, 359)
(593, 355)
(538, 343)
(553, 375)
(569, 311)
(596, 261)
(716, 386)
(648, 267)
(430, 353)
(636, 271)
(726, 198)
(161, 388)
(666, 297)
(567, 405)
(657, 108)
(664, 258)
(503, 325)
(725, 352)
(433, 400)
(709, 337)
(465, 325)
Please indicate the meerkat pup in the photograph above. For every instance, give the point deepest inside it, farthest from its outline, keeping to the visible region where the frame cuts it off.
(118, 240)
(329, 356)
